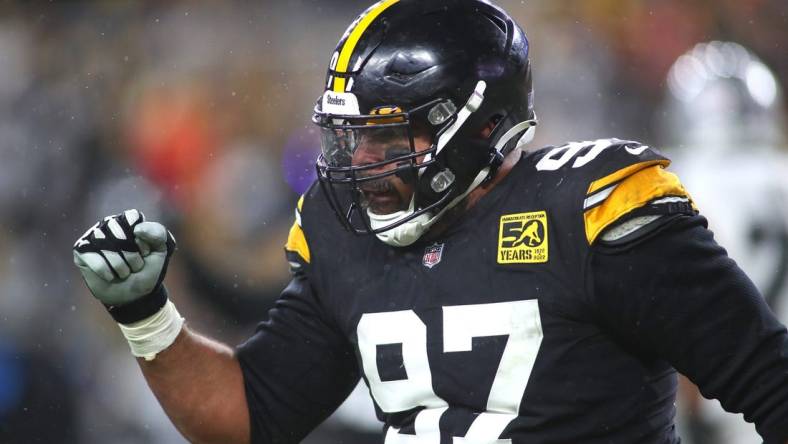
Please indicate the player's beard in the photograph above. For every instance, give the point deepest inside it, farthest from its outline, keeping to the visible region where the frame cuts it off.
(383, 196)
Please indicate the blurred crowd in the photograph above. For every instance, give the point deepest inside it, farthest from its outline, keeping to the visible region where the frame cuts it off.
(198, 114)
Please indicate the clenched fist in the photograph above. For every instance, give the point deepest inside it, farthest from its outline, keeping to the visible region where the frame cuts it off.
(123, 260)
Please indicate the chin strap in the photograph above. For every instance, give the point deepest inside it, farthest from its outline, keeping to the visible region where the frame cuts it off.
(410, 231)
(474, 102)
(470, 107)
(527, 127)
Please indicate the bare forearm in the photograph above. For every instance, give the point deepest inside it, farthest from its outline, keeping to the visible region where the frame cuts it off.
(199, 384)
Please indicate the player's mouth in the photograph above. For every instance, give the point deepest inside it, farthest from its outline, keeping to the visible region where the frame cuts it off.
(381, 197)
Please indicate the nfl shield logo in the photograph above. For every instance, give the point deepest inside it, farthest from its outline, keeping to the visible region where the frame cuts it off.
(432, 255)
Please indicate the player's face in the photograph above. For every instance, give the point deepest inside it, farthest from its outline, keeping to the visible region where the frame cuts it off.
(391, 193)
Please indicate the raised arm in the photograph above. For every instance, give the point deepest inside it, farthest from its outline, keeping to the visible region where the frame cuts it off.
(198, 382)
(276, 388)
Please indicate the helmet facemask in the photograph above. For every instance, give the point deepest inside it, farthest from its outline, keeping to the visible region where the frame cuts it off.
(364, 156)
(438, 107)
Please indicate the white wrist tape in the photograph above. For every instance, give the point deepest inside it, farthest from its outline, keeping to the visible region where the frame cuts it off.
(150, 336)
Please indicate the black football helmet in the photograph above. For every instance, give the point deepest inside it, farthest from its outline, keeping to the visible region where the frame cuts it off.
(447, 68)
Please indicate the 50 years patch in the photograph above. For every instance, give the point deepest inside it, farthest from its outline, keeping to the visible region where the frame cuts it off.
(522, 238)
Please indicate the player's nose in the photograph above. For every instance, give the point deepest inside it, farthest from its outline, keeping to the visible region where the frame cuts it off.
(368, 156)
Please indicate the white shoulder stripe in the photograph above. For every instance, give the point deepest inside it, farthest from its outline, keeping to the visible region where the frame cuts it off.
(627, 227)
(669, 199)
(598, 197)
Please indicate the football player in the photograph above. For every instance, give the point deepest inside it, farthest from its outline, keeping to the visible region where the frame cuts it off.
(484, 294)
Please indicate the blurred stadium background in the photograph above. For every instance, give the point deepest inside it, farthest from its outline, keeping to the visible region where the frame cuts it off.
(197, 113)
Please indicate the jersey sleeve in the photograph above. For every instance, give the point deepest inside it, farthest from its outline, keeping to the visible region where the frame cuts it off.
(678, 297)
(631, 180)
(298, 366)
(296, 247)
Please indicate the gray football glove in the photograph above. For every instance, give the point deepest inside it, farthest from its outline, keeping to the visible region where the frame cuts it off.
(123, 260)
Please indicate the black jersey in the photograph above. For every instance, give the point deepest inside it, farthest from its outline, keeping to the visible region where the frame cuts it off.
(521, 323)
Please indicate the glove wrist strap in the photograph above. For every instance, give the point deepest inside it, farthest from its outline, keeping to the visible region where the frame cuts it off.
(154, 334)
(140, 309)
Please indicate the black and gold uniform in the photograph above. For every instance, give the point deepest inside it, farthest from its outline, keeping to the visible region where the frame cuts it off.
(556, 310)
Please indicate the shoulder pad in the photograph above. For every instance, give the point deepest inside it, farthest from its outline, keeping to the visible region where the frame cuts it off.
(627, 182)
(297, 248)
(617, 176)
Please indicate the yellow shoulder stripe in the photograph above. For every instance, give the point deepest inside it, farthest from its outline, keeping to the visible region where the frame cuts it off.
(296, 242)
(350, 44)
(631, 193)
(622, 173)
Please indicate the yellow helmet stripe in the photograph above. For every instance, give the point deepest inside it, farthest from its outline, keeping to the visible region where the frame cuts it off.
(354, 37)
